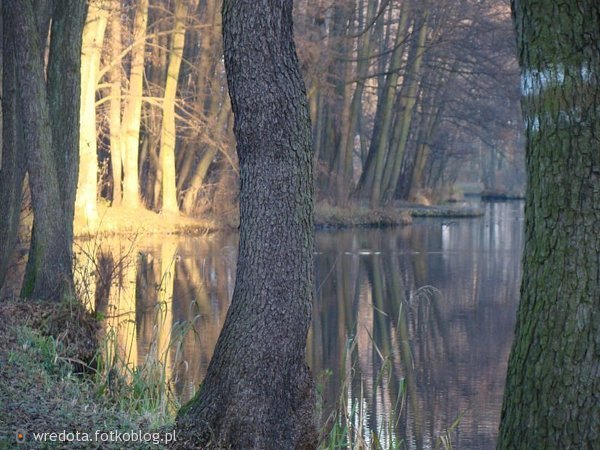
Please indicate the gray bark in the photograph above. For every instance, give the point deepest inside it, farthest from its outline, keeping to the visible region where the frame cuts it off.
(12, 168)
(553, 383)
(50, 136)
(258, 392)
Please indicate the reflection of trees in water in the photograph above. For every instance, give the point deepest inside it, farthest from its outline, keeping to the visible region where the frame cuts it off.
(446, 352)
(440, 355)
(148, 291)
(117, 282)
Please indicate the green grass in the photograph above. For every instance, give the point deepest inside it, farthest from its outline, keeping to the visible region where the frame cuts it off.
(40, 392)
(344, 428)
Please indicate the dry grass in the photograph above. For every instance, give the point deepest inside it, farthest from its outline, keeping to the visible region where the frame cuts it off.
(332, 217)
(117, 220)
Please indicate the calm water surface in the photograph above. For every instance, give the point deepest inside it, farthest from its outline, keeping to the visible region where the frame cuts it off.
(416, 320)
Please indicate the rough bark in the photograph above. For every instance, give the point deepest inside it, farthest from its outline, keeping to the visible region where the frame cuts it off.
(553, 383)
(12, 168)
(258, 392)
(51, 137)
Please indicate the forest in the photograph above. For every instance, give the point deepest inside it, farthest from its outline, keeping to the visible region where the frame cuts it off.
(406, 98)
(299, 224)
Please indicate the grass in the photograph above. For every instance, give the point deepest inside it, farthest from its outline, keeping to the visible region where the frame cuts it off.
(333, 217)
(56, 375)
(42, 390)
(344, 428)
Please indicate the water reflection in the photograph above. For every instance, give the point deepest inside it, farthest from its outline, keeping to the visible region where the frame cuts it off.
(427, 312)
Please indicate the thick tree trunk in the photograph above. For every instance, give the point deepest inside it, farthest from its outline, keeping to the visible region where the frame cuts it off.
(13, 163)
(64, 82)
(258, 392)
(553, 383)
(51, 136)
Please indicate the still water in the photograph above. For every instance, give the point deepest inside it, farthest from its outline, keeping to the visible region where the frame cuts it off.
(411, 329)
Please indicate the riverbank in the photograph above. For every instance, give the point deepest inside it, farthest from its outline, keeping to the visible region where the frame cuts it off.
(116, 220)
(53, 394)
(44, 347)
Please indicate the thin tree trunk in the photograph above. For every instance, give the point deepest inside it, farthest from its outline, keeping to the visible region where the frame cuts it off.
(381, 149)
(256, 394)
(344, 174)
(87, 185)
(132, 115)
(391, 173)
(13, 162)
(116, 144)
(168, 133)
(203, 166)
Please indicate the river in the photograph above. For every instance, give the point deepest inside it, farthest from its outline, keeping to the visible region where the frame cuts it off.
(411, 331)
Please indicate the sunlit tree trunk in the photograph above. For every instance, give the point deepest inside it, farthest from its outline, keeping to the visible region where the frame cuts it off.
(132, 114)
(168, 133)
(553, 382)
(256, 394)
(87, 185)
(115, 74)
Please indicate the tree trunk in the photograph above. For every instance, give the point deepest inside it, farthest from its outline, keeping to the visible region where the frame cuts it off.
(51, 136)
(258, 392)
(344, 175)
(383, 141)
(115, 74)
(13, 163)
(87, 185)
(167, 135)
(553, 383)
(132, 115)
(391, 174)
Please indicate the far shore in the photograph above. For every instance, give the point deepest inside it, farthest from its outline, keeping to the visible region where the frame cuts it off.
(123, 221)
